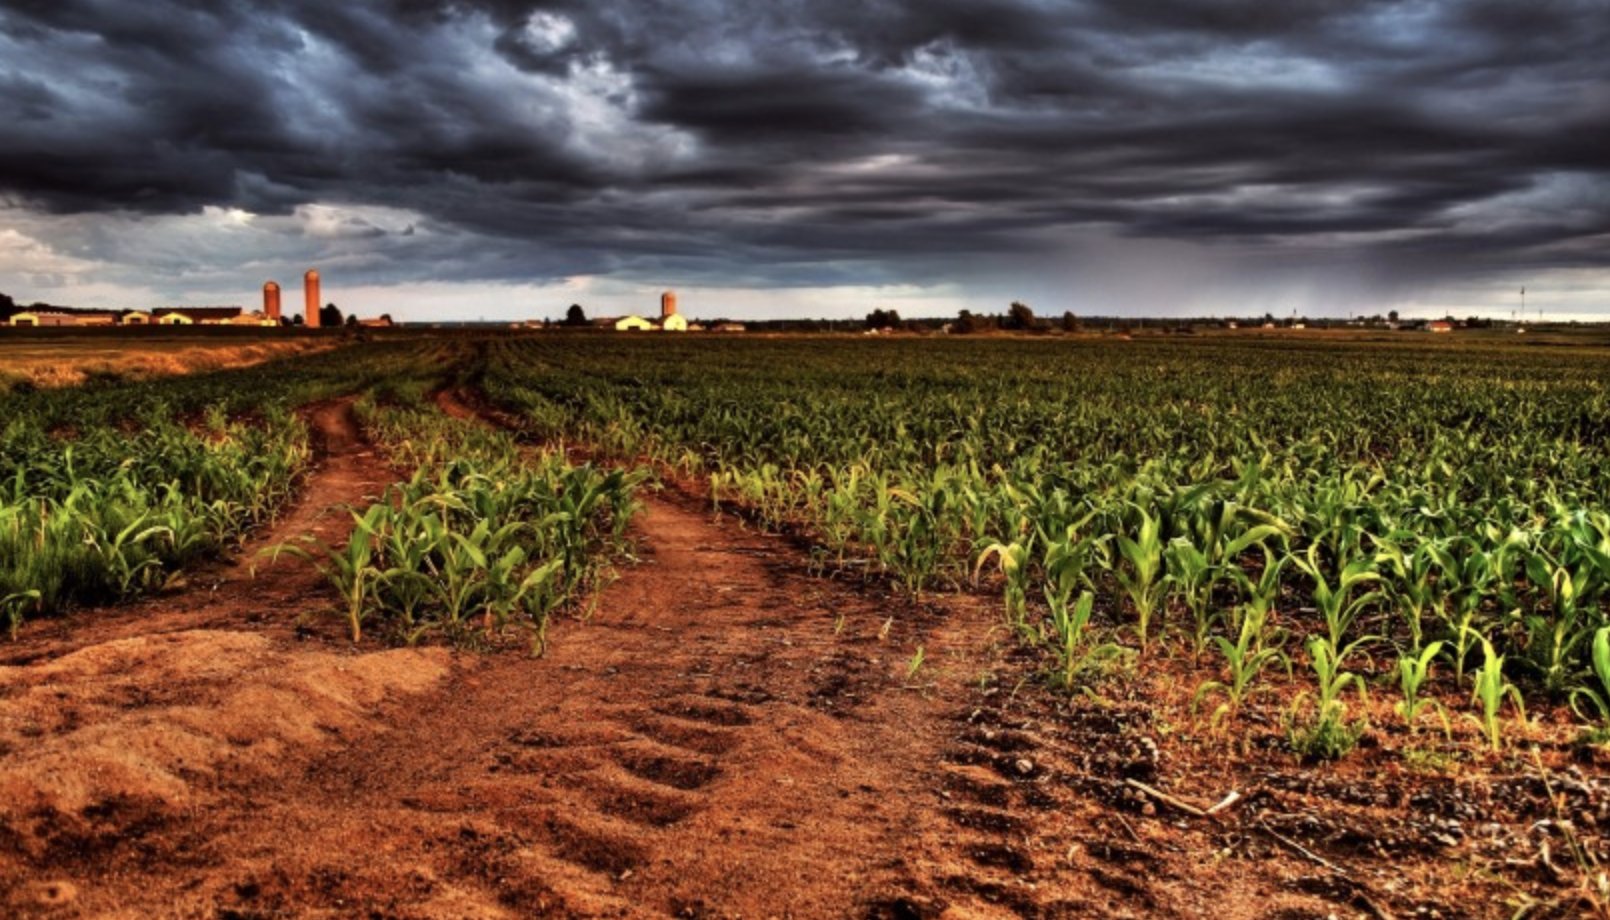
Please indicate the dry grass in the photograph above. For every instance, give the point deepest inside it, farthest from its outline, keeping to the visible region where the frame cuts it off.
(64, 361)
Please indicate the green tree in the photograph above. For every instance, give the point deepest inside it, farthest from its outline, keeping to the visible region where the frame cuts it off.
(575, 316)
(883, 319)
(967, 322)
(1020, 317)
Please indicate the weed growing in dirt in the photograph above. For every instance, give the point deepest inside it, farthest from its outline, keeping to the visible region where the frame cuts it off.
(915, 665)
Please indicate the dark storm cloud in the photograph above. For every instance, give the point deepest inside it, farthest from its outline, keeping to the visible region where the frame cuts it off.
(811, 142)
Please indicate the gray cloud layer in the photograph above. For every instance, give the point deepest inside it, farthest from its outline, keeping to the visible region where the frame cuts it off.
(863, 141)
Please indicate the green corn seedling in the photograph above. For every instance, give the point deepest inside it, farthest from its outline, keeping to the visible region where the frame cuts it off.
(1335, 600)
(1413, 670)
(1327, 734)
(1491, 689)
(1069, 641)
(1141, 577)
(1245, 659)
(1593, 702)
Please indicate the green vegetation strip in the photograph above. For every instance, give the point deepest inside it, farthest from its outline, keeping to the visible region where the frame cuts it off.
(484, 536)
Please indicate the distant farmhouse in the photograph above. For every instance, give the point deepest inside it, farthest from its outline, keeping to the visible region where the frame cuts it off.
(670, 319)
(42, 317)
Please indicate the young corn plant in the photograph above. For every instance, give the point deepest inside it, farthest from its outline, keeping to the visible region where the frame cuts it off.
(1066, 564)
(1328, 734)
(1069, 642)
(15, 605)
(1414, 586)
(1245, 660)
(1335, 600)
(1491, 689)
(349, 569)
(1012, 558)
(1413, 671)
(1192, 577)
(1141, 578)
(1555, 633)
(1593, 702)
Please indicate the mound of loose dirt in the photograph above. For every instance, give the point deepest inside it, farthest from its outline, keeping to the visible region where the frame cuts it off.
(139, 729)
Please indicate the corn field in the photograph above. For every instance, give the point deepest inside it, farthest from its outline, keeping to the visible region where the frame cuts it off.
(1424, 523)
(1365, 518)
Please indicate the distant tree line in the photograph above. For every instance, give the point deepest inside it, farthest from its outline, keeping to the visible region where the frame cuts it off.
(1019, 317)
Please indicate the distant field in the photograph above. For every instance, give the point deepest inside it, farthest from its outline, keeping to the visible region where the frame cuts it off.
(65, 360)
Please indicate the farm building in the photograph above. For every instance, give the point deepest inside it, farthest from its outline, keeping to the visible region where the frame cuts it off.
(135, 318)
(254, 318)
(40, 318)
(676, 322)
(189, 316)
(1439, 325)
(632, 324)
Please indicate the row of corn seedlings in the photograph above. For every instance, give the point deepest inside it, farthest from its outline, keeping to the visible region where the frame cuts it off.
(482, 538)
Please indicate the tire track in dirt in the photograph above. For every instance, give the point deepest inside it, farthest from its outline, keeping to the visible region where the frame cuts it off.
(705, 745)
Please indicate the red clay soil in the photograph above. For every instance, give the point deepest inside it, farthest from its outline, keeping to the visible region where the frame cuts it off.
(725, 736)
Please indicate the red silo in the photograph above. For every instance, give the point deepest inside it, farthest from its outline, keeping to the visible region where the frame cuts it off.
(310, 287)
(271, 300)
(668, 305)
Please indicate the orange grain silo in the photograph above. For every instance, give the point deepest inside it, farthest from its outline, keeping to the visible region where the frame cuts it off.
(310, 287)
(271, 300)
(667, 305)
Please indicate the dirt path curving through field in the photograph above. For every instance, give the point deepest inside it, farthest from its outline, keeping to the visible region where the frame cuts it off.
(706, 745)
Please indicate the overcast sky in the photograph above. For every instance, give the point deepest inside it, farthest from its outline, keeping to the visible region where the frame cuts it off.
(495, 158)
